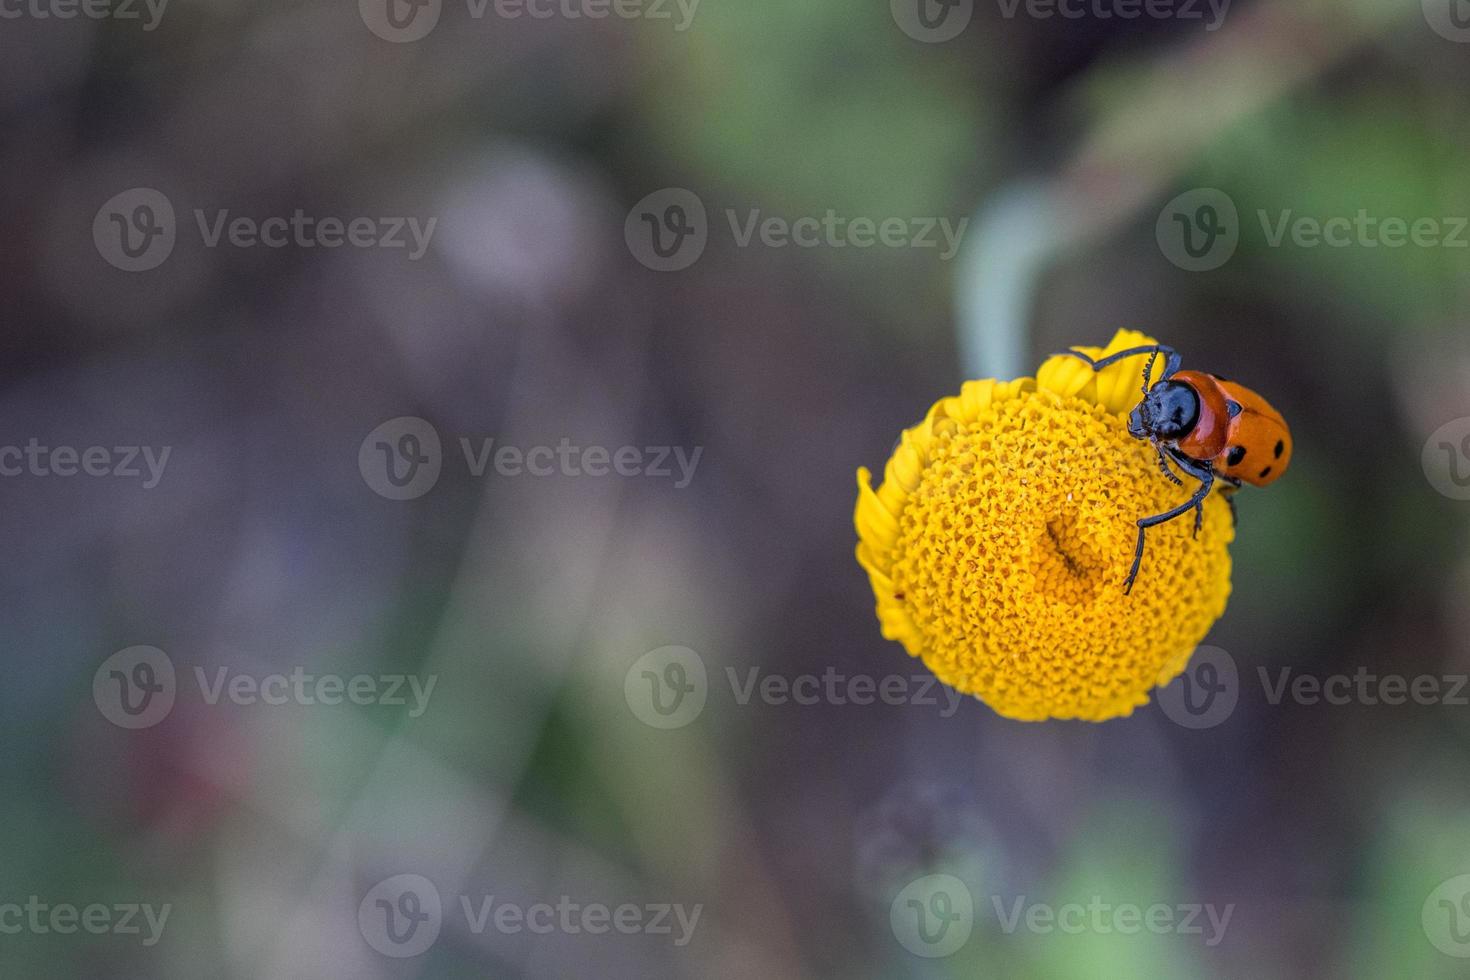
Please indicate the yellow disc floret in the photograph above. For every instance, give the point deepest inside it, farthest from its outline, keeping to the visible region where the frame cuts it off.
(1000, 538)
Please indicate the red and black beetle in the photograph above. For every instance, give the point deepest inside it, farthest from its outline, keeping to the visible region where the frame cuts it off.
(1211, 428)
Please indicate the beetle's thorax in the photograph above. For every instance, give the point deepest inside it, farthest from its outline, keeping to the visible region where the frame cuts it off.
(1206, 439)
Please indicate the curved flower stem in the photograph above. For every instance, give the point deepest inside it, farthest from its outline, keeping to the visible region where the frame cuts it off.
(1132, 153)
(1017, 235)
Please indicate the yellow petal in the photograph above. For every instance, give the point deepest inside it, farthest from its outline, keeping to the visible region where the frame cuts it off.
(874, 522)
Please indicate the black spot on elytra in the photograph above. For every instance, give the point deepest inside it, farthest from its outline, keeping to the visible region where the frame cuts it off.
(1237, 453)
(1265, 473)
(1233, 408)
(1280, 447)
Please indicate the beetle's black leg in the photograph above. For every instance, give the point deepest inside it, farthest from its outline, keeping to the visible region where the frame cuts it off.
(1207, 480)
(1164, 465)
(1172, 358)
(1198, 470)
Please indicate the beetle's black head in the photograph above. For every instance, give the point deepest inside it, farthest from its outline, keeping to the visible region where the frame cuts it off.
(1169, 411)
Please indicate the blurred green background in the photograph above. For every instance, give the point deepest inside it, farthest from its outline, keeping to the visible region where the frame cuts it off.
(1334, 833)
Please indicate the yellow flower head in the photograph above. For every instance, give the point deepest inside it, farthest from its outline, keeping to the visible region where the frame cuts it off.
(1000, 538)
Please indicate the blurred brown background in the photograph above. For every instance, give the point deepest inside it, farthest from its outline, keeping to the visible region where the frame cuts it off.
(159, 293)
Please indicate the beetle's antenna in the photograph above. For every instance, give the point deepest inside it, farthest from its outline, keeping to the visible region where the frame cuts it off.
(1148, 370)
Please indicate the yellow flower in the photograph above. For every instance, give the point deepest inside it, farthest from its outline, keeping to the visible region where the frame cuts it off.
(1000, 538)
